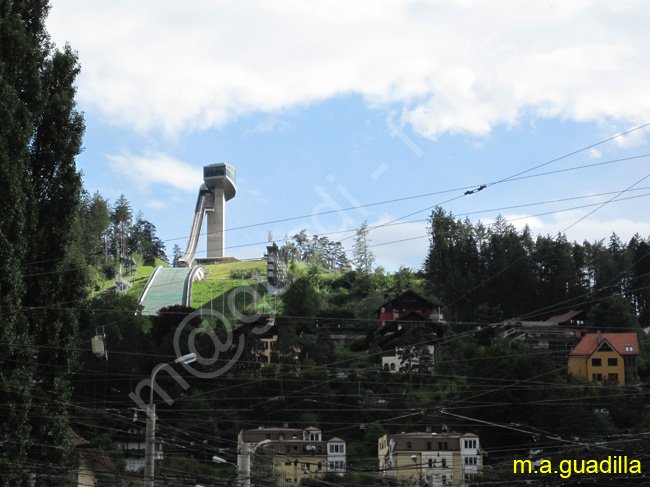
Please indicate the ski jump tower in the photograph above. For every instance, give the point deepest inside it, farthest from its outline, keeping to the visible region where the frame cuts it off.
(219, 186)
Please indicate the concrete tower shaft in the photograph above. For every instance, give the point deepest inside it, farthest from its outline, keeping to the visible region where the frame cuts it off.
(218, 187)
(221, 181)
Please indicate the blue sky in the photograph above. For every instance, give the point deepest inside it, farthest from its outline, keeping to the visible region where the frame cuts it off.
(324, 106)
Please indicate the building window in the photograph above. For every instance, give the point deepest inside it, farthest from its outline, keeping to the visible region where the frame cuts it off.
(470, 443)
(428, 445)
(288, 448)
(612, 362)
(444, 463)
(595, 362)
(629, 349)
(442, 445)
(295, 447)
(408, 444)
(268, 436)
(281, 437)
(320, 466)
(287, 464)
(319, 449)
(430, 462)
(597, 377)
(612, 377)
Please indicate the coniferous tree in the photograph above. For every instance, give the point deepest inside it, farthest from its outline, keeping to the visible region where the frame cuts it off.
(363, 257)
(95, 219)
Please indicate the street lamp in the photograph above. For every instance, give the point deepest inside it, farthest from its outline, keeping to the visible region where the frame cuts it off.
(217, 459)
(151, 421)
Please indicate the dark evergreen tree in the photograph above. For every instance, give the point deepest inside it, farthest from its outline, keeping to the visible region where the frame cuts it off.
(362, 256)
(613, 314)
(176, 254)
(453, 266)
(95, 220)
(639, 291)
(121, 216)
(143, 239)
(44, 276)
(301, 299)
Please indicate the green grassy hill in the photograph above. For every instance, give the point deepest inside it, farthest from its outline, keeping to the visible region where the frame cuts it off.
(221, 279)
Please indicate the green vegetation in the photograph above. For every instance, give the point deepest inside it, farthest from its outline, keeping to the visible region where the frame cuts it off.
(45, 273)
(213, 291)
(225, 270)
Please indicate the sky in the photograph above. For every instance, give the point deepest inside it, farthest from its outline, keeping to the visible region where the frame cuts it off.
(336, 113)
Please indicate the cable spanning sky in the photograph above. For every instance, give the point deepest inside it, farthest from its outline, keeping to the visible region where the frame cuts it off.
(325, 108)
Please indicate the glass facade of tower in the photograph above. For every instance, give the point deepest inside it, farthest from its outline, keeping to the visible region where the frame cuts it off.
(219, 170)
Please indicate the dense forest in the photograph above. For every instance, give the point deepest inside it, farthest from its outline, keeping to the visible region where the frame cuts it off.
(488, 273)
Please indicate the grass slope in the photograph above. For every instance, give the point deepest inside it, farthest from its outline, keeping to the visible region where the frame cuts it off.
(213, 292)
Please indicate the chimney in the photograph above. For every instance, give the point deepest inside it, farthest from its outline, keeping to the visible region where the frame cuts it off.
(599, 337)
(428, 429)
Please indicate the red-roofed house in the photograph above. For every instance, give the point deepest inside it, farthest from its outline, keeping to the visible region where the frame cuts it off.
(607, 357)
(405, 303)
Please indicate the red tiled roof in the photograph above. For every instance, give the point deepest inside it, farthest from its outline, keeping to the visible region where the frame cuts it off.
(621, 342)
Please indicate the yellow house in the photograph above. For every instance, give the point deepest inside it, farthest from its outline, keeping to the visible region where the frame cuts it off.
(434, 459)
(605, 357)
(94, 464)
(296, 453)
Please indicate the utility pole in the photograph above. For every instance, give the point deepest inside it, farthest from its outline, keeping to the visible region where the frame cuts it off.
(149, 453)
(244, 462)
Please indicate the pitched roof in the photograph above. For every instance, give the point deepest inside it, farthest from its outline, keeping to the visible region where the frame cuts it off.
(623, 343)
(413, 298)
(411, 442)
(564, 317)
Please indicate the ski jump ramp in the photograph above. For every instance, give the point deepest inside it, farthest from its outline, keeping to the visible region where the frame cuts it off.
(168, 286)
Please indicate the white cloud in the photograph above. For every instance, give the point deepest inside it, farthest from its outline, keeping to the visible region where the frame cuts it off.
(154, 167)
(569, 223)
(595, 154)
(410, 251)
(270, 125)
(156, 204)
(454, 67)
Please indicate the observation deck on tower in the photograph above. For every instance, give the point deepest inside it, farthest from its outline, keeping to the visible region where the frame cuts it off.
(219, 186)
